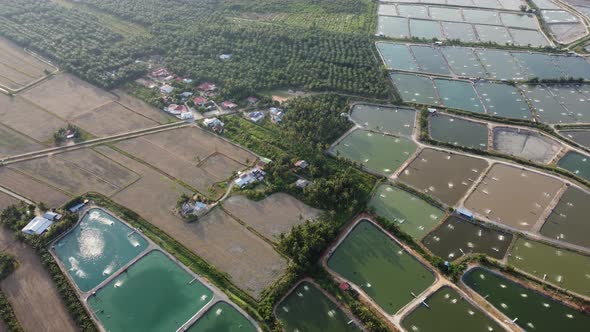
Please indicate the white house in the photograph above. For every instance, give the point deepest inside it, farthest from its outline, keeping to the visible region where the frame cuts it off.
(167, 89)
(37, 226)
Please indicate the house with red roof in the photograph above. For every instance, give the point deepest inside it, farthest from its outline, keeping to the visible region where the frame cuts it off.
(228, 105)
(200, 101)
(207, 86)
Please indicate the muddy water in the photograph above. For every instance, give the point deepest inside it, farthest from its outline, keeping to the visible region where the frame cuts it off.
(457, 237)
(531, 310)
(445, 176)
(448, 312)
(458, 131)
(512, 196)
(560, 267)
(569, 220)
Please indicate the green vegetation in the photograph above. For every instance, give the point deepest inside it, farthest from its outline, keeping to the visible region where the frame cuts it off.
(7, 264)
(190, 36)
(70, 132)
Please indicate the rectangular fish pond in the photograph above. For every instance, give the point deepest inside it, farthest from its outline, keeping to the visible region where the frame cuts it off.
(530, 310)
(457, 237)
(458, 131)
(380, 153)
(581, 137)
(370, 259)
(569, 219)
(97, 247)
(411, 214)
(443, 175)
(153, 294)
(577, 163)
(222, 317)
(561, 267)
(308, 309)
(392, 120)
(448, 311)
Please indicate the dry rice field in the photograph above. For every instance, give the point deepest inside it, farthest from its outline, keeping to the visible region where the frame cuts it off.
(140, 107)
(273, 215)
(19, 68)
(31, 292)
(5, 201)
(25, 117)
(32, 189)
(513, 196)
(251, 263)
(190, 154)
(78, 172)
(112, 119)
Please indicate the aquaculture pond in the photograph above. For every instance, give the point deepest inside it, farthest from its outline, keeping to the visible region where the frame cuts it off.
(458, 131)
(526, 144)
(500, 64)
(459, 95)
(308, 309)
(97, 247)
(374, 262)
(581, 137)
(448, 311)
(154, 294)
(397, 56)
(415, 89)
(457, 237)
(411, 214)
(430, 60)
(569, 219)
(443, 175)
(560, 267)
(381, 153)
(529, 309)
(393, 120)
(222, 317)
(391, 26)
(464, 62)
(576, 163)
(503, 100)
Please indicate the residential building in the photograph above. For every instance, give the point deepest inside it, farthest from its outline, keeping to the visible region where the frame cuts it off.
(249, 177)
(207, 86)
(276, 115)
(228, 105)
(301, 164)
(200, 101)
(167, 89)
(37, 226)
(256, 116)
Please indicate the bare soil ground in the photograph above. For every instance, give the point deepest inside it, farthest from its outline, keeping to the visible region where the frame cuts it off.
(66, 172)
(513, 196)
(140, 107)
(17, 67)
(112, 119)
(273, 215)
(13, 142)
(31, 188)
(252, 264)
(31, 292)
(525, 144)
(179, 152)
(5, 201)
(67, 96)
(23, 116)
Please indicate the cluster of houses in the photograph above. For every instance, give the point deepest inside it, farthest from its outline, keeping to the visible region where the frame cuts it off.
(194, 208)
(214, 124)
(248, 177)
